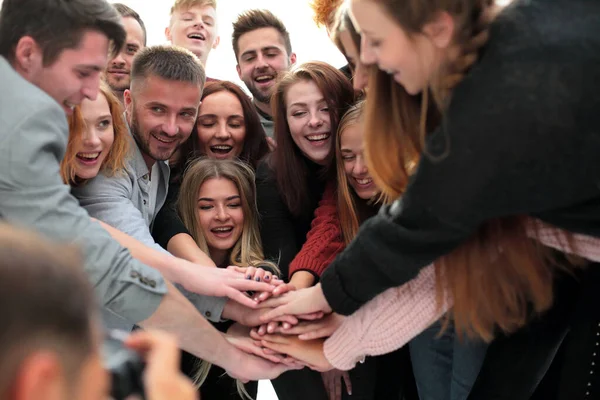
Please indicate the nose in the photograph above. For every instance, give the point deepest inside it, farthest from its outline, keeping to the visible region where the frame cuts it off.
(360, 166)
(199, 24)
(315, 120)
(222, 132)
(261, 62)
(361, 76)
(170, 127)
(222, 214)
(90, 138)
(118, 61)
(367, 54)
(90, 87)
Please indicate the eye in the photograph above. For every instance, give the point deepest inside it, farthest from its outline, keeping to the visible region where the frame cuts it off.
(349, 157)
(325, 109)
(83, 74)
(299, 113)
(104, 124)
(249, 59)
(131, 50)
(207, 124)
(157, 110)
(375, 43)
(205, 207)
(234, 205)
(187, 114)
(208, 23)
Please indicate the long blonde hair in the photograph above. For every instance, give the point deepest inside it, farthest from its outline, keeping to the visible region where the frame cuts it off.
(248, 249)
(498, 275)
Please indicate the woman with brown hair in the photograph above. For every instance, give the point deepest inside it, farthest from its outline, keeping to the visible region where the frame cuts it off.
(307, 103)
(227, 128)
(491, 162)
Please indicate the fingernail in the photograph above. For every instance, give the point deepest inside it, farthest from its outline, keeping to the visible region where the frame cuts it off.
(248, 276)
(257, 279)
(267, 278)
(275, 277)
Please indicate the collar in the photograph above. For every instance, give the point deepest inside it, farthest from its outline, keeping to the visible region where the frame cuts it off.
(262, 113)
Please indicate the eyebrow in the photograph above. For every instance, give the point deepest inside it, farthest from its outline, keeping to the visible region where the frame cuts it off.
(215, 116)
(227, 199)
(347, 151)
(266, 48)
(94, 68)
(300, 104)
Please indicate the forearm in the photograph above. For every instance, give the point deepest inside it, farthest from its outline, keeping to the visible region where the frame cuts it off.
(195, 334)
(302, 279)
(183, 246)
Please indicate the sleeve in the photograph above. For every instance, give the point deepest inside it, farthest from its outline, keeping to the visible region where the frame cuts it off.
(167, 223)
(276, 224)
(324, 241)
(386, 323)
(108, 199)
(33, 195)
(507, 145)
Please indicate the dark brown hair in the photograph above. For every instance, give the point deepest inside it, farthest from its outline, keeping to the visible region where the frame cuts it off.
(57, 25)
(252, 20)
(255, 142)
(46, 303)
(126, 11)
(288, 163)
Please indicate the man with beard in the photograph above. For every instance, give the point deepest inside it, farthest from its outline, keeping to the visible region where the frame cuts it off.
(262, 48)
(160, 110)
(118, 70)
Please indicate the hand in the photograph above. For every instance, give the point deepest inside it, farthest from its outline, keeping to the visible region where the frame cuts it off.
(320, 328)
(239, 336)
(247, 367)
(333, 383)
(278, 291)
(257, 274)
(299, 302)
(272, 144)
(219, 282)
(251, 317)
(162, 378)
(308, 352)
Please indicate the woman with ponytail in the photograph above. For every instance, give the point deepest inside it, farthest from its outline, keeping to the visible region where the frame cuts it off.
(518, 139)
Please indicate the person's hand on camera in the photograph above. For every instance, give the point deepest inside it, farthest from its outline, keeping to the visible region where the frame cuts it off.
(162, 377)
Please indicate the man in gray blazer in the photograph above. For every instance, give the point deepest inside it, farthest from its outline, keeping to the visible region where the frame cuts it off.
(46, 70)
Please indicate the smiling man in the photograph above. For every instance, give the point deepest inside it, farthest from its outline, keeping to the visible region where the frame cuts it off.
(262, 48)
(193, 26)
(118, 71)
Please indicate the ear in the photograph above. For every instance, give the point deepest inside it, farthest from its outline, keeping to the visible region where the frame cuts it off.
(28, 56)
(217, 41)
(168, 33)
(239, 71)
(292, 58)
(39, 376)
(440, 30)
(128, 102)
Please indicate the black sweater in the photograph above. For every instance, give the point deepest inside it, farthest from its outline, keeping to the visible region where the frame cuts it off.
(523, 130)
(282, 233)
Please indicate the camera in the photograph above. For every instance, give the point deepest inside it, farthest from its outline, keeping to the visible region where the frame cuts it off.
(125, 366)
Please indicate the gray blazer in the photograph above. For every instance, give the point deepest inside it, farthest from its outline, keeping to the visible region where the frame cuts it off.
(123, 201)
(33, 140)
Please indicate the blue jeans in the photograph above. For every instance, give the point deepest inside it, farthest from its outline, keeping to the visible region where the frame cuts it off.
(445, 367)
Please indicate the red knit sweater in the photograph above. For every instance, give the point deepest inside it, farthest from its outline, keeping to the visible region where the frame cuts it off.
(324, 240)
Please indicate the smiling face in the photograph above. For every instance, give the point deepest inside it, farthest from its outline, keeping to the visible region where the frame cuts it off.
(411, 60)
(73, 77)
(119, 68)
(97, 137)
(309, 120)
(221, 125)
(161, 115)
(355, 166)
(195, 29)
(220, 216)
(262, 56)
(360, 75)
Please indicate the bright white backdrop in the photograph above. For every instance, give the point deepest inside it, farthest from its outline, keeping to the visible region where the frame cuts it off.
(308, 41)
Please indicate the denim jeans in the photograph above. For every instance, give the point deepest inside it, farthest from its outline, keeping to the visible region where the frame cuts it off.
(445, 367)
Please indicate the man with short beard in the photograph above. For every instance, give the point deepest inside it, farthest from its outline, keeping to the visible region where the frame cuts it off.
(262, 48)
(118, 70)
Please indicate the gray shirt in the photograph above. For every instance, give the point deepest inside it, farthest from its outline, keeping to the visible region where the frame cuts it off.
(124, 202)
(266, 122)
(33, 140)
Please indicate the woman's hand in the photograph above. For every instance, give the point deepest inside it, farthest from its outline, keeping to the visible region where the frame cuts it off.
(299, 302)
(320, 328)
(308, 352)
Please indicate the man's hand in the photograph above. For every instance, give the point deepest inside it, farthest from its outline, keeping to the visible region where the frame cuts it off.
(162, 378)
(308, 352)
(220, 282)
(299, 302)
